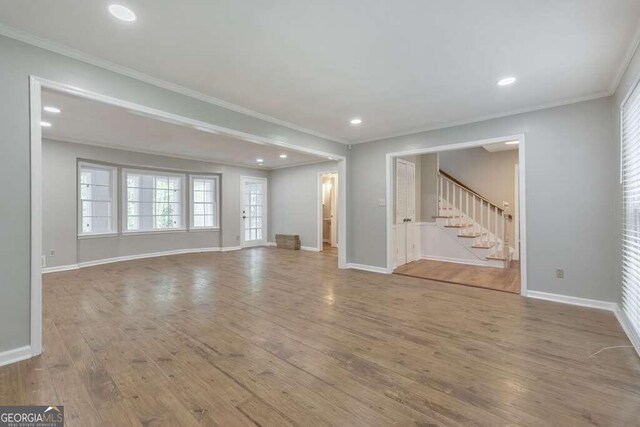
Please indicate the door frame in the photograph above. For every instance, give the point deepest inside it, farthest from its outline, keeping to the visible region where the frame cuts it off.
(390, 202)
(36, 84)
(319, 244)
(265, 228)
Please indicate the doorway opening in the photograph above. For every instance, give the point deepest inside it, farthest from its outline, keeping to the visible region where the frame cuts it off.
(455, 214)
(328, 212)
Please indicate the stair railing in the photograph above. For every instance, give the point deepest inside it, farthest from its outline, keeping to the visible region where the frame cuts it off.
(474, 215)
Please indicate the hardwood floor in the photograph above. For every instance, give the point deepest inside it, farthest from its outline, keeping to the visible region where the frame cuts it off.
(276, 337)
(328, 249)
(499, 279)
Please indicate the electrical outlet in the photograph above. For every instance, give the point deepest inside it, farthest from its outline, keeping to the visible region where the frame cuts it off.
(237, 238)
(52, 252)
(560, 273)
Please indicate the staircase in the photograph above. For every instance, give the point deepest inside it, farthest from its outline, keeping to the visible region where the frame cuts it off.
(476, 223)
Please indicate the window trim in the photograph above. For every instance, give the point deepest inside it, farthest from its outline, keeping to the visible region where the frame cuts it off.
(216, 178)
(125, 201)
(114, 200)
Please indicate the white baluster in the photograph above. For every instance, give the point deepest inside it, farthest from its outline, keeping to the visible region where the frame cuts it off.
(440, 196)
(495, 230)
(474, 215)
(467, 209)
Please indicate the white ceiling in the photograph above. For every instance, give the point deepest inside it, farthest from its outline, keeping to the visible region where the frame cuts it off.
(500, 146)
(96, 123)
(400, 65)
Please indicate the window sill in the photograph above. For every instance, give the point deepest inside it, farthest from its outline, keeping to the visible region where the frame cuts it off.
(204, 229)
(143, 233)
(96, 236)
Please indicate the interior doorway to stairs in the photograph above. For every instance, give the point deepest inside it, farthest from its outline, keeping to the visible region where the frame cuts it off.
(328, 213)
(455, 214)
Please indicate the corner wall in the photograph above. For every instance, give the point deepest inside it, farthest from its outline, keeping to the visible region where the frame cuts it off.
(294, 201)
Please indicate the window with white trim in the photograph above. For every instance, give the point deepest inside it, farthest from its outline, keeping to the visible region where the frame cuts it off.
(154, 201)
(97, 203)
(204, 202)
(630, 179)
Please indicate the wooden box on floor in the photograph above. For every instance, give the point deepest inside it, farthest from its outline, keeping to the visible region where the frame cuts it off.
(288, 241)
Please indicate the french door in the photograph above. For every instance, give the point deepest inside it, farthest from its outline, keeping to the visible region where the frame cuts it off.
(405, 204)
(254, 211)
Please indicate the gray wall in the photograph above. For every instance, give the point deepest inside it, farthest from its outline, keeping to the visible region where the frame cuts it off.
(293, 198)
(490, 174)
(571, 187)
(60, 204)
(19, 61)
(428, 187)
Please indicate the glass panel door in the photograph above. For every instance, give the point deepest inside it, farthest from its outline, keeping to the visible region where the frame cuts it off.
(254, 211)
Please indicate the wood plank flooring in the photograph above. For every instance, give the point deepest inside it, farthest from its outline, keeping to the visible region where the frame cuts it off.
(499, 279)
(277, 337)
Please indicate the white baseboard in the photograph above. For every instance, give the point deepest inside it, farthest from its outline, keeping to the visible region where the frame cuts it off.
(60, 268)
(302, 248)
(15, 355)
(133, 257)
(626, 326)
(230, 248)
(566, 299)
(370, 268)
(591, 303)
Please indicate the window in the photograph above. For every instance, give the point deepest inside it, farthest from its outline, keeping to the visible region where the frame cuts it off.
(97, 204)
(204, 202)
(154, 201)
(630, 178)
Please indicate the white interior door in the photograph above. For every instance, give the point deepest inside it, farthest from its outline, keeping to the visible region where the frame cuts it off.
(254, 211)
(410, 211)
(405, 212)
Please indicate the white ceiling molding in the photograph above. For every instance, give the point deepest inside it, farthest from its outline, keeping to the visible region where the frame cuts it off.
(631, 50)
(491, 117)
(107, 65)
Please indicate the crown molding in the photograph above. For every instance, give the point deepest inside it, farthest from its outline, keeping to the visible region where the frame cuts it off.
(631, 50)
(107, 65)
(446, 125)
(69, 52)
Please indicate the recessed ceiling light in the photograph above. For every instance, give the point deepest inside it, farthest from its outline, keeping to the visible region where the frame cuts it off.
(283, 156)
(122, 13)
(506, 81)
(51, 109)
(512, 142)
(259, 160)
(45, 124)
(356, 121)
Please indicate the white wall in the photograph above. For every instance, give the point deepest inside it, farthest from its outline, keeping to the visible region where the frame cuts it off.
(571, 187)
(60, 206)
(294, 201)
(490, 174)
